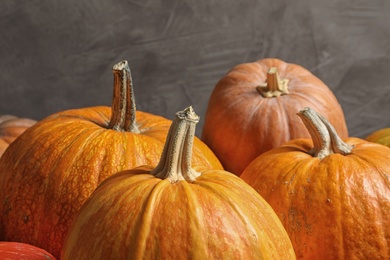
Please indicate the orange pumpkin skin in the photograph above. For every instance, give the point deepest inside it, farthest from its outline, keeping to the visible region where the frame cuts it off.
(10, 128)
(135, 215)
(381, 136)
(334, 208)
(53, 167)
(240, 123)
(19, 251)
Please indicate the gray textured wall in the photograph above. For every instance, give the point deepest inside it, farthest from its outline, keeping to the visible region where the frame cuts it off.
(57, 55)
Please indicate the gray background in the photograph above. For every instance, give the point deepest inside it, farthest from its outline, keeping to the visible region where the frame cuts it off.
(57, 55)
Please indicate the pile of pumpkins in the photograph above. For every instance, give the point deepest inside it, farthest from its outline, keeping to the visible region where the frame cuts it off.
(274, 175)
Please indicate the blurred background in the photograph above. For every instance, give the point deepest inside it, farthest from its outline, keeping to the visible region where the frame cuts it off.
(58, 55)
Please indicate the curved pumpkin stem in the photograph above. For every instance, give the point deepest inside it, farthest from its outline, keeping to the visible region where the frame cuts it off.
(175, 162)
(123, 104)
(325, 138)
(274, 85)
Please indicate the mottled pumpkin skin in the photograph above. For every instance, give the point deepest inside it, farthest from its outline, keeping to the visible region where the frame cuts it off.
(240, 123)
(134, 215)
(22, 251)
(53, 167)
(10, 128)
(334, 208)
(381, 136)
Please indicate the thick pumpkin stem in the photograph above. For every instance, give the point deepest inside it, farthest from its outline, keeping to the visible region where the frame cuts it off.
(274, 85)
(325, 138)
(175, 162)
(123, 104)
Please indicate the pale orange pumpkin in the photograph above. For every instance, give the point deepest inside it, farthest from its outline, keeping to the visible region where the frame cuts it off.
(10, 128)
(53, 167)
(332, 195)
(381, 136)
(252, 110)
(176, 211)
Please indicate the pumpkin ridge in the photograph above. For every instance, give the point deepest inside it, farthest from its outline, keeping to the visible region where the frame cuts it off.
(196, 219)
(91, 135)
(116, 188)
(348, 193)
(144, 219)
(239, 212)
(230, 198)
(232, 104)
(285, 118)
(85, 136)
(255, 110)
(105, 159)
(83, 119)
(379, 216)
(149, 141)
(366, 158)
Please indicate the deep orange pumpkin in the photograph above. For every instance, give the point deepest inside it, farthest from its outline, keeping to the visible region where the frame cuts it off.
(332, 196)
(10, 128)
(174, 211)
(22, 251)
(53, 167)
(253, 109)
(381, 136)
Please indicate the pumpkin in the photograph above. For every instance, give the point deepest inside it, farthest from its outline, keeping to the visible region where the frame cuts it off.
(381, 136)
(10, 128)
(53, 167)
(252, 109)
(22, 251)
(331, 194)
(176, 211)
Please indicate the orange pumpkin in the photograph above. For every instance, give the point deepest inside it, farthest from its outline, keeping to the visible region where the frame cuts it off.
(252, 110)
(332, 195)
(176, 211)
(381, 136)
(22, 251)
(53, 167)
(10, 128)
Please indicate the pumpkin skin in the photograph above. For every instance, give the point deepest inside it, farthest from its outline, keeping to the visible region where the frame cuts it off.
(53, 167)
(10, 128)
(381, 136)
(336, 207)
(18, 251)
(240, 123)
(176, 211)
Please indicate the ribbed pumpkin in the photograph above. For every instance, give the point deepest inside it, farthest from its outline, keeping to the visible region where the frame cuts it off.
(332, 195)
(22, 251)
(53, 167)
(10, 128)
(381, 136)
(176, 211)
(252, 109)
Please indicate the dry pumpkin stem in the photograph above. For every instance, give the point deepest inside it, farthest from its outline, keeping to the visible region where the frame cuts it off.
(123, 104)
(175, 162)
(325, 138)
(274, 85)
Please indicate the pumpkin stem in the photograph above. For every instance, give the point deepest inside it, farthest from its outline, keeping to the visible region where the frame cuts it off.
(274, 86)
(175, 162)
(325, 138)
(123, 104)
